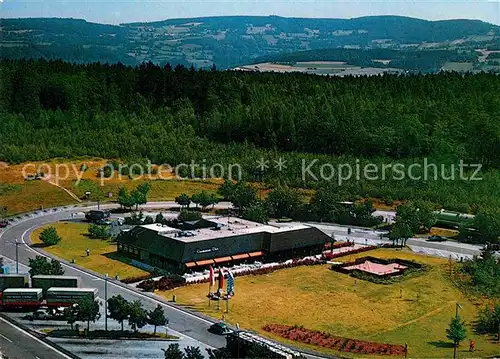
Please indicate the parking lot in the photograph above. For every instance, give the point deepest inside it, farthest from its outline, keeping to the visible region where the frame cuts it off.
(106, 348)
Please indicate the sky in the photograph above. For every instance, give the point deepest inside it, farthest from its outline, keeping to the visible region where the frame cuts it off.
(122, 11)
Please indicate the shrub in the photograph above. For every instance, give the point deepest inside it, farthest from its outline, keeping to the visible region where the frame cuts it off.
(136, 279)
(99, 231)
(49, 236)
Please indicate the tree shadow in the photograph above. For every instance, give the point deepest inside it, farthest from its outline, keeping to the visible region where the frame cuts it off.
(441, 344)
(116, 257)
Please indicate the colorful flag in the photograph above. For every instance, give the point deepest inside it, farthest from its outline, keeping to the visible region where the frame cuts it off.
(221, 279)
(230, 283)
(211, 277)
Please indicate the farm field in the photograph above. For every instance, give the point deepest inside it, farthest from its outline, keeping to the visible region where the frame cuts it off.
(320, 299)
(458, 66)
(74, 243)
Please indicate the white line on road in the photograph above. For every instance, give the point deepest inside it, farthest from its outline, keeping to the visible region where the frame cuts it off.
(35, 338)
(7, 339)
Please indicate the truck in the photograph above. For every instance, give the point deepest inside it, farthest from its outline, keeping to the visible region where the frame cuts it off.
(21, 297)
(13, 281)
(97, 215)
(51, 281)
(66, 297)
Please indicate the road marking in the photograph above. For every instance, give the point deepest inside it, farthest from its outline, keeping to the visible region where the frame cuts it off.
(7, 339)
(35, 338)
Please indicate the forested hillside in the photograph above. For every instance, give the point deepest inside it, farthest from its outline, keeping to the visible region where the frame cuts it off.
(228, 41)
(56, 109)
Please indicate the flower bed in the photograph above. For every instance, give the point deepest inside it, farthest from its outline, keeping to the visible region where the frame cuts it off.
(165, 283)
(136, 279)
(326, 340)
(175, 281)
(339, 245)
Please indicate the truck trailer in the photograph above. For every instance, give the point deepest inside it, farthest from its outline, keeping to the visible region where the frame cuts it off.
(66, 297)
(21, 297)
(13, 281)
(52, 281)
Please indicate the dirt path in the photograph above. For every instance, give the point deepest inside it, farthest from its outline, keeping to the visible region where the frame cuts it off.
(430, 314)
(74, 196)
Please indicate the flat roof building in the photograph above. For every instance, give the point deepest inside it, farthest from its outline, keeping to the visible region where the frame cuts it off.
(214, 241)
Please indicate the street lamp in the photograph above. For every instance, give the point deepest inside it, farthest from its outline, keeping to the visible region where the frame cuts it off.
(17, 244)
(456, 317)
(106, 302)
(106, 278)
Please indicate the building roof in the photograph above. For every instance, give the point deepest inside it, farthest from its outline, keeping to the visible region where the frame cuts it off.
(23, 290)
(226, 227)
(64, 290)
(44, 276)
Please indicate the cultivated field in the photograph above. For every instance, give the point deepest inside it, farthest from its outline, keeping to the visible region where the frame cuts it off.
(458, 66)
(320, 299)
(102, 259)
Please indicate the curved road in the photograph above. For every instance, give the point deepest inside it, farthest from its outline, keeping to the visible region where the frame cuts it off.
(191, 325)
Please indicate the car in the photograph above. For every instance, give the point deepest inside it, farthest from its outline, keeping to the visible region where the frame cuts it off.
(42, 313)
(220, 328)
(436, 238)
(103, 222)
(3, 224)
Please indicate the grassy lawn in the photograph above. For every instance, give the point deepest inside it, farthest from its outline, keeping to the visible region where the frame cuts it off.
(318, 298)
(160, 189)
(74, 243)
(29, 196)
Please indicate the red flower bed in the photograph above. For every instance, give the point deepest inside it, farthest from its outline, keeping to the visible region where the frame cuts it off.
(165, 283)
(329, 255)
(326, 340)
(339, 245)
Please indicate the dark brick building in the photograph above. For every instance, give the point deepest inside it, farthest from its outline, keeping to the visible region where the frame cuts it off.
(218, 241)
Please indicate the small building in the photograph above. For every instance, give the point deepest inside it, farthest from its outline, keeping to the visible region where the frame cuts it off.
(218, 241)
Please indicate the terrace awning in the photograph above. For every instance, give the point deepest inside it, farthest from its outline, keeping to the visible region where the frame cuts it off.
(205, 262)
(256, 254)
(190, 264)
(241, 256)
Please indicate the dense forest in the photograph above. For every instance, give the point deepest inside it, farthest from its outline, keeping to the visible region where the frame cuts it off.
(175, 115)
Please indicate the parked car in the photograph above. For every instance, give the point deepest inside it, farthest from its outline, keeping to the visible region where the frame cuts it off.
(220, 328)
(42, 313)
(436, 238)
(3, 224)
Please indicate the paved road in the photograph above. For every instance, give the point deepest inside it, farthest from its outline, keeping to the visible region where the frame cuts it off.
(183, 322)
(366, 236)
(18, 344)
(191, 326)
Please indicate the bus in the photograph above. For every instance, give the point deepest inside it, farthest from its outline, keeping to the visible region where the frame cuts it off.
(21, 297)
(66, 297)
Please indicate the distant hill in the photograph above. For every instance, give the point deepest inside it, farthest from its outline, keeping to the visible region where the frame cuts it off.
(231, 40)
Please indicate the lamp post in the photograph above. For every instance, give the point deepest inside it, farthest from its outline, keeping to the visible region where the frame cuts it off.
(17, 244)
(106, 278)
(17, 256)
(106, 302)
